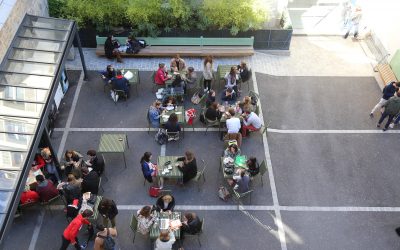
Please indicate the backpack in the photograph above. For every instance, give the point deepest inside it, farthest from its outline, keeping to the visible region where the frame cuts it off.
(142, 43)
(223, 193)
(161, 136)
(109, 242)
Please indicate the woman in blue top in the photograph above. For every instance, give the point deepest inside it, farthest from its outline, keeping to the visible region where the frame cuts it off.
(154, 114)
(148, 168)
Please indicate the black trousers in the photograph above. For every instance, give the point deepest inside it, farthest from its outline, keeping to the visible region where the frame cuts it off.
(207, 84)
(65, 244)
(390, 119)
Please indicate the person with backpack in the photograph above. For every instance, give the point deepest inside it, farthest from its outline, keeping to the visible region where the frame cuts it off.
(105, 238)
(387, 92)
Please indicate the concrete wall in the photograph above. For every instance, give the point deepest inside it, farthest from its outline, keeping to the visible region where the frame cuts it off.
(382, 17)
(11, 14)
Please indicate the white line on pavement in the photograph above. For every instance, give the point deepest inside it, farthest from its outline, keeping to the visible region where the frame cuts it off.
(339, 209)
(70, 115)
(125, 129)
(36, 230)
(333, 131)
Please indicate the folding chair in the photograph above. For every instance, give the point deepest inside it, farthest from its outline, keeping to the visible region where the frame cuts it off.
(119, 94)
(262, 170)
(240, 196)
(200, 174)
(172, 136)
(197, 234)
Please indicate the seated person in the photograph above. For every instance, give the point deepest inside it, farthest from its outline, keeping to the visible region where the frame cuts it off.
(45, 188)
(246, 105)
(108, 74)
(243, 71)
(90, 182)
(212, 113)
(240, 181)
(189, 167)
(145, 220)
(191, 224)
(210, 97)
(95, 162)
(172, 124)
(120, 83)
(111, 46)
(29, 196)
(38, 163)
(161, 75)
(72, 161)
(165, 203)
(169, 101)
(229, 95)
(179, 84)
(177, 64)
(154, 114)
(253, 166)
(133, 45)
(71, 189)
(251, 122)
(148, 168)
(234, 136)
(165, 241)
(232, 123)
(191, 76)
(232, 151)
(231, 79)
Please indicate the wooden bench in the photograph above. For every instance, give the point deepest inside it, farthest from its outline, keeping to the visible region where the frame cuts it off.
(187, 46)
(390, 72)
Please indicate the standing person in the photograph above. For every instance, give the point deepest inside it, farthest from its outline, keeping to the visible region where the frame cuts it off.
(189, 167)
(244, 71)
(241, 181)
(354, 22)
(103, 238)
(231, 78)
(392, 107)
(90, 182)
(71, 189)
(50, 165)
(177, 64)
(161, 75)
(45, 188)
(251, 122)
(121, 83)
(108, 210)
(388, 91)
(155, 114)
(232, 123)
(191, 76)
(95, 162)
(148, 168)
(70, 235)
(145, 220)
(207, 73)
(111, 49)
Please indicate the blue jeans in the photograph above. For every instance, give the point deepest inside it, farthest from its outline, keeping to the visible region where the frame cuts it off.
(51, 169)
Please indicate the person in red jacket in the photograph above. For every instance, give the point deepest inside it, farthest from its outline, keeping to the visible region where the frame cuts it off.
(70, 235)
(161, 75)
(38, 163)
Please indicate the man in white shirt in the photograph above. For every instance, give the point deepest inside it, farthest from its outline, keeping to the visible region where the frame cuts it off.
(232, 123)
(251, 122)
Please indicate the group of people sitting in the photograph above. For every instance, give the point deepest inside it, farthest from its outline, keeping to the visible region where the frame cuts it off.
(112, 47)
(147, 216)
(116, 80)
(187, 165)
(155, 114)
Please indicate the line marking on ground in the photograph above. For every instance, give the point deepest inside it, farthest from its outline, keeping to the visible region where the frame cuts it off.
(125, 129)
(278, 217)
(36, 230)
(333, 131)
(70, 116)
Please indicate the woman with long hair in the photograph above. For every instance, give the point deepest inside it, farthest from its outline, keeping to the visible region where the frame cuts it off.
(172, 124)
(207, 72)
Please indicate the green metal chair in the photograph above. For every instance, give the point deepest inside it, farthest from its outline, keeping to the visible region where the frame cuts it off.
(121, 94)
(197, 234)
(240, 196)
(200, 174)
(134, 226)
(262, 170)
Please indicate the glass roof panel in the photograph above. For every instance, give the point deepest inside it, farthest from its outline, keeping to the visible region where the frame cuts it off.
(30, 68)
(12, 160)
(31, 81)
(15, 142)
(44, 34)
(5, 198)
(27, 43)
(8, 179)
(22, 94)
(21, 109)
(47, 23)
(36, 56)
(18, 125)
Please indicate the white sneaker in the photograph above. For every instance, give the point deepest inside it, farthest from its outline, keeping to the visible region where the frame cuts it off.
(391, 125)
(206, 89)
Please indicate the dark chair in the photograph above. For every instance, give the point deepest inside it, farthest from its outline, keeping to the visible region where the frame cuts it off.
(263, 169)
(119, 94)
(200, 174)
(172, 136)
(197, 234)
(134, 226)
(240, 196)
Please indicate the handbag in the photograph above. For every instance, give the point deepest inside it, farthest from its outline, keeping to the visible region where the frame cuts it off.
(196, 98)
(154, 191)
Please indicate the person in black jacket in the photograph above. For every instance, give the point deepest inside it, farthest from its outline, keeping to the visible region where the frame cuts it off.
(172, 124)
(191, 224)
(90, 181)
(212, 113)
(244, 71)
(165, 203)
(111, 49)
(189, 168)
(71, 189)
(96, 163)
(387, 92)
(108, 210)
(120, 83)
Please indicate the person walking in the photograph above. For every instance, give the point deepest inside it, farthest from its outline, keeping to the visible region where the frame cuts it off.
(207, 73)
(354, 22)
(70, 235)
(108, 210)
(392, 107)
(387, 92)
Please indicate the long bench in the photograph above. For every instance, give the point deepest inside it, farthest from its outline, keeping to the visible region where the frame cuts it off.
(187, 46)
(390, 72)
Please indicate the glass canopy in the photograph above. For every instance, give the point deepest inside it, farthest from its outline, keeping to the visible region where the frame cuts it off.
(27, 74)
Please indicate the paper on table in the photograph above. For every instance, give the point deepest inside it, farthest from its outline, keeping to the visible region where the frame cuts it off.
(175, 224)
(178, 113)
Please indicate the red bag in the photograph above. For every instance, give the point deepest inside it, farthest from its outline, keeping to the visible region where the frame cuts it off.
(154, 191)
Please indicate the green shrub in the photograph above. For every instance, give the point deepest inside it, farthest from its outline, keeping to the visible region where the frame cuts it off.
(56, 8)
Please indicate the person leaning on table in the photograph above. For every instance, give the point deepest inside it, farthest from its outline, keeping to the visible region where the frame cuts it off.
(108, 210)
(165, 203)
